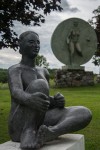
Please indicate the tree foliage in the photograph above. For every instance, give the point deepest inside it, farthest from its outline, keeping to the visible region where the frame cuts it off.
(41, 61)
(95, 22)
(27, 12)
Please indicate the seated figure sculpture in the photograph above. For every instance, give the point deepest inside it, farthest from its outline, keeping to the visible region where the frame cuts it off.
(36, 117)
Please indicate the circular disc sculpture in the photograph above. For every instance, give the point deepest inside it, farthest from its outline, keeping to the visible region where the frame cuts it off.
(74, 42)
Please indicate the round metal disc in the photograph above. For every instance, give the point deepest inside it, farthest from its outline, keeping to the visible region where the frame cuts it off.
(74, 42)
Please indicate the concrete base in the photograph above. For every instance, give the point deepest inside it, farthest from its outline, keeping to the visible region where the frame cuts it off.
(65, 142)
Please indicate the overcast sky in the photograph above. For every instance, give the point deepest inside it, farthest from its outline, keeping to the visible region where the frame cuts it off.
(71, 8)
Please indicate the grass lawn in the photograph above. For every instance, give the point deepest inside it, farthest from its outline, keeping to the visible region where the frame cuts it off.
(86, 96)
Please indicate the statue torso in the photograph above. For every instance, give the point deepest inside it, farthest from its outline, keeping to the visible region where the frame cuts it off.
(25, 75)
(29, 74)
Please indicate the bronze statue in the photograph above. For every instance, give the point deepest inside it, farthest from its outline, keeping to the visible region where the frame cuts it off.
(35, 116)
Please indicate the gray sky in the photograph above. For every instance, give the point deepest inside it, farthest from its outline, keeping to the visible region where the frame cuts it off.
(71, 8)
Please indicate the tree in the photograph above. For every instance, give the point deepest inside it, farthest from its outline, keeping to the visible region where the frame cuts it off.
(95, 22)
(27, 12)
(41, 61)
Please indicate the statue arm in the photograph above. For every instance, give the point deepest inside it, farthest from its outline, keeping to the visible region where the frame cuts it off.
(69, 37)
(16, 86)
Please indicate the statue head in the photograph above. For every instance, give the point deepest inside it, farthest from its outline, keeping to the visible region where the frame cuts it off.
(29, 44)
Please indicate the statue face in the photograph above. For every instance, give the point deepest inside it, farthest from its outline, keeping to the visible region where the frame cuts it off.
(30, 45)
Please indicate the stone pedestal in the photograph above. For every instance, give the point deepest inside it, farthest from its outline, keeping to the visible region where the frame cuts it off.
(65, 142)
(74, 77)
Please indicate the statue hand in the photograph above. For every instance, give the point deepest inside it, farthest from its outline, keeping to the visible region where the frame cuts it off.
(60, 101)
(40, 102)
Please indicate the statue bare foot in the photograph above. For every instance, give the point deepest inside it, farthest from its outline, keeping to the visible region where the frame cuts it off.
(28, 139)
(45, 134)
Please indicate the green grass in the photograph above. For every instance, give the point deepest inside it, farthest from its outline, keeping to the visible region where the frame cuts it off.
(86, 96)
(4, 111)
(3, 85)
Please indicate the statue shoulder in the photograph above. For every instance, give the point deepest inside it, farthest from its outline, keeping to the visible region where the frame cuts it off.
(14, 68)
(44, 71)
(46, 74)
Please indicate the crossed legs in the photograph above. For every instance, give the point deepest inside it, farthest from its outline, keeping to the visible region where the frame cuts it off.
(40, 127)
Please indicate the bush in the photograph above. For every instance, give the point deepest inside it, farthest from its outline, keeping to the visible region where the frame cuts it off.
(3, 76)
(52, 73)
